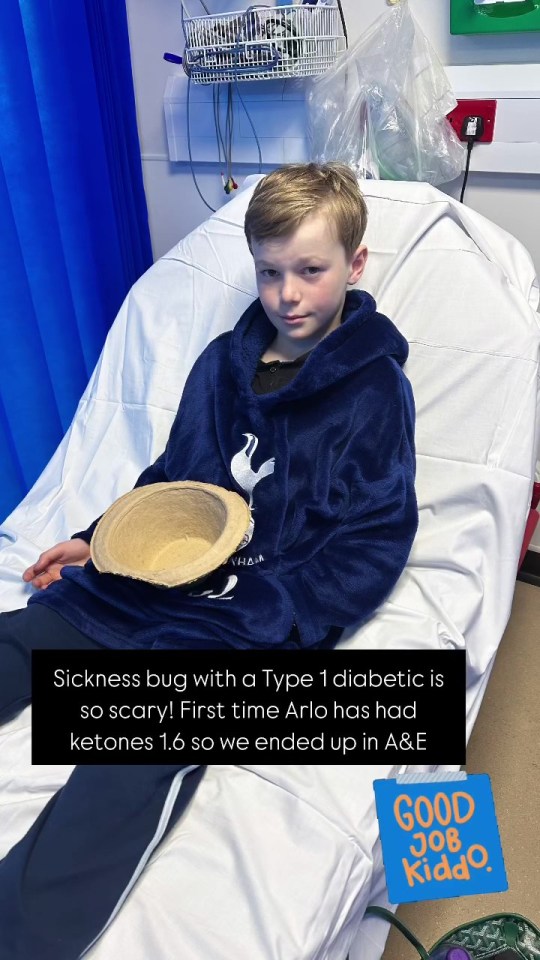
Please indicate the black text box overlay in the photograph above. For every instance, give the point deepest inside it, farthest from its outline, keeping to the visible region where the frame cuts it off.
(332, 706)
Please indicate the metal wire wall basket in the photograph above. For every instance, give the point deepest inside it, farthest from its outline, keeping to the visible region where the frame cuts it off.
(263, 43)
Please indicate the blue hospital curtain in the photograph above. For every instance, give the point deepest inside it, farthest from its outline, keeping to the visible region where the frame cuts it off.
(73, 222)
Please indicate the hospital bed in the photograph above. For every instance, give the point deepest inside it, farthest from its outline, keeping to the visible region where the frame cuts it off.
(279, 862)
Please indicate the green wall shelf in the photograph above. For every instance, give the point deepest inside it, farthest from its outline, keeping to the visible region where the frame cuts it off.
(503, 17)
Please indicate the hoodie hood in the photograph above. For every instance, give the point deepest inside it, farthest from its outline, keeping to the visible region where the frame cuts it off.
(363, 336)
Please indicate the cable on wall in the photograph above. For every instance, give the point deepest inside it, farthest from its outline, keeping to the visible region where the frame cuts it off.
(343, 24)
(213, 209)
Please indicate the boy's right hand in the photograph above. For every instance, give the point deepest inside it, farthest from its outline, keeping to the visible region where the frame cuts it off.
(47, 567)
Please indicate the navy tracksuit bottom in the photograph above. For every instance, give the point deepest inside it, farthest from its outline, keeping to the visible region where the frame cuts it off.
(64, 882)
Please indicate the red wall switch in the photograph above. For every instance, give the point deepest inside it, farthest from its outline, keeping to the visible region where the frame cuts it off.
(475, 108)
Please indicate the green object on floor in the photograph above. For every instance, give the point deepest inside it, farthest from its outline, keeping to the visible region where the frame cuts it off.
(504, 16)
(500, 936)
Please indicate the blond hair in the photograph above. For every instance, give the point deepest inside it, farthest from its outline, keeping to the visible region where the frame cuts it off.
(284, 198)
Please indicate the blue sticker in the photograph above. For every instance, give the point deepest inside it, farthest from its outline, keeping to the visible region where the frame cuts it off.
(439, 838)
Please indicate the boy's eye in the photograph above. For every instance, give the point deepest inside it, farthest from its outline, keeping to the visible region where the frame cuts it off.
(269, 272)
(312, 271)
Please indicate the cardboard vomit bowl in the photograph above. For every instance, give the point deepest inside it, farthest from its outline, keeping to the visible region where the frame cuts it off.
(170, 534)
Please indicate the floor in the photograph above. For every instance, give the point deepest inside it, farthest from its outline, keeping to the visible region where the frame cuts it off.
(505, 743)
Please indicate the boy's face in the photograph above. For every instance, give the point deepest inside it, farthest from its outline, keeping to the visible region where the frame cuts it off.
(302, 281)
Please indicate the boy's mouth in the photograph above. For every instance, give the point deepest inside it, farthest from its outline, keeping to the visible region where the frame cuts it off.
(293, 318)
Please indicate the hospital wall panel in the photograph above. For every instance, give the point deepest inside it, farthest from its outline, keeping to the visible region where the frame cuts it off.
(176, 208)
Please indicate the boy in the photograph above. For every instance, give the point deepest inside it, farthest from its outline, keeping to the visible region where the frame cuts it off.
(304, 409)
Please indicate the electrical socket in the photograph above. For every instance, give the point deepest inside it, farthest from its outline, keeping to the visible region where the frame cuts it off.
(474, 108)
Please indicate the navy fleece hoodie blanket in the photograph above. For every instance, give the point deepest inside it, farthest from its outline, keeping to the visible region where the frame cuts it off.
(327, 465)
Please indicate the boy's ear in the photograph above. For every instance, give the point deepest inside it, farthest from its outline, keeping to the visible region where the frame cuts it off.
(358, 263)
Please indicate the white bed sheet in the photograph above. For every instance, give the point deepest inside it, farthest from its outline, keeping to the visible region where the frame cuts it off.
(279, 862)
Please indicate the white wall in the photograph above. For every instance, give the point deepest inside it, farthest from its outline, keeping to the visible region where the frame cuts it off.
(174, 206)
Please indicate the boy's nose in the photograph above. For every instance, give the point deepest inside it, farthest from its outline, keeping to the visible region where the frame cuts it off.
(289, 291)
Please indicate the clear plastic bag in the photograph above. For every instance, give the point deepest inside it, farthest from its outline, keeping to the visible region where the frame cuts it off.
(382, 107)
